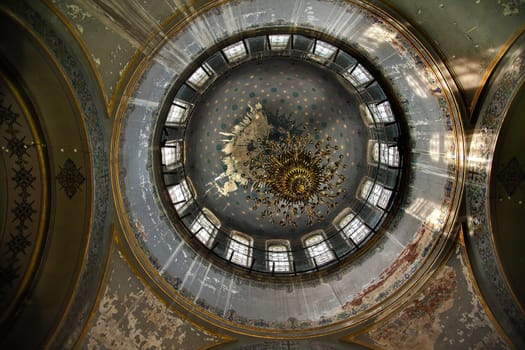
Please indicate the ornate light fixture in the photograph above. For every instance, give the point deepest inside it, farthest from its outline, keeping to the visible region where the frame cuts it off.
(291, 174)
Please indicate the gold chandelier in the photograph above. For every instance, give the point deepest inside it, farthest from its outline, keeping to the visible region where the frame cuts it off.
(292, 175)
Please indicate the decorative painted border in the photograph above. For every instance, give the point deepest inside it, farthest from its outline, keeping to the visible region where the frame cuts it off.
(503, 85)
(92, 116)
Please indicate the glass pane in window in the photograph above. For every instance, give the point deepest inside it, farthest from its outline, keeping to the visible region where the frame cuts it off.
(278, 258)
(278, 42)
(235, 51)
(204, 229)
(177, 113)
(354, 228)
(374, 195)
(199, 77)
(324, 50)
(318, 250)
(385, 154)
(240, 250)
(393, 156)
(384, 198)
(382, 112)
(357, 231)
(358, 75)
(171, 152)
(180, 195)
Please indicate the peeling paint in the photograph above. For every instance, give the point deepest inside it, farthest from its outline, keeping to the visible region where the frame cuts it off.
(510, 7)
(131, 316)
(77, 13)
(419, 325)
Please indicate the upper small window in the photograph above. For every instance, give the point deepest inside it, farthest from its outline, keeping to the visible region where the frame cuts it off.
(199, 77)
(235, 52)
(278, 42)
(318, 249)
(240, 249)
(384, 198)
(322, 51)
(180, 195)
(171, 152)
(205, 227)
(375, 194)
(353, 228)
(279, 259)
(178, 112)
(357, 75)
(385, 154)
(382, 112)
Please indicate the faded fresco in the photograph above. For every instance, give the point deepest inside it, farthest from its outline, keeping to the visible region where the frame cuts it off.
(446, 314)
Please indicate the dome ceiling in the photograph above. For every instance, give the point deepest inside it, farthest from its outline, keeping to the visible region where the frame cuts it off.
(410, 244)
(296, 98)
(284, 174)
(292, 147)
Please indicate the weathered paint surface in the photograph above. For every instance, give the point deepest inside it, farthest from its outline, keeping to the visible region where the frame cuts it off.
(446, 314)
(131, 316)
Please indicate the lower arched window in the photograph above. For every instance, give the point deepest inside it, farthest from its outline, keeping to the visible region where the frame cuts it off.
(279, 259)
(318, 249)
(205, 227)
(240, 249)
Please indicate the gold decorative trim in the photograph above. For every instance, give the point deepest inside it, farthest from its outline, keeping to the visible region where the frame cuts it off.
(471, 277)
(491, 68)
(491, 229)
(73, 31)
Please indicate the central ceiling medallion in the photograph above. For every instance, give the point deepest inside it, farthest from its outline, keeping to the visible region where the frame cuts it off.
(288, 172)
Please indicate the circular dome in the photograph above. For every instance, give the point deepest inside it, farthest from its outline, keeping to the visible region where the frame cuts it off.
(168, 210)
(280, 153)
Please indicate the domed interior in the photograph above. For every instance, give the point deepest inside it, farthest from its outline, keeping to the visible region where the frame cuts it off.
(298, 98)
(281, 141)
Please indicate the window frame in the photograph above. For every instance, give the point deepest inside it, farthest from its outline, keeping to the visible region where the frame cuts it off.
(205, 227)
(235, 52)
(283, 261)
(320, 252)
(180, 195)
(240, 253)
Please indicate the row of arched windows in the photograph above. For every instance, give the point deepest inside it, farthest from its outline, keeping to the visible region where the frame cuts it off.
(355, 227)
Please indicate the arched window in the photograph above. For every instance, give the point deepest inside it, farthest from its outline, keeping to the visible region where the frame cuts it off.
(351, 226)
(318, 249)
(235, 52)
(278, 42)
(178, 113)
(279, 258)
(357, 75)
(322, 51)
(205, 227)
(180, 196)
(240, 249)
(200, 76)
(386, 154)
(375, 194)
(382, 112)
(171, 153)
